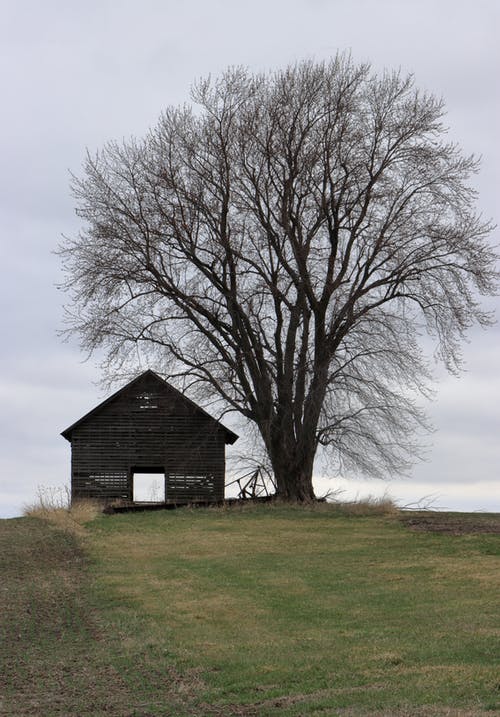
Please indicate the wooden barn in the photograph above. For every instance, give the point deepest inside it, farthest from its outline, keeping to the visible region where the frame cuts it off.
(148, 434)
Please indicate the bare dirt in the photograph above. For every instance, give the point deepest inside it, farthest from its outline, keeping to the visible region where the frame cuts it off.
(452, 523)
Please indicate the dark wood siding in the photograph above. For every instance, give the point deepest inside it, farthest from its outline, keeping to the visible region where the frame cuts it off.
(148, 427)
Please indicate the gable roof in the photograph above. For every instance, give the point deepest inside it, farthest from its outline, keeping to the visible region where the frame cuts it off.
(230, 436)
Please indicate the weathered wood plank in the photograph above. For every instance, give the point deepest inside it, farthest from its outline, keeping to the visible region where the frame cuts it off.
(149, 426)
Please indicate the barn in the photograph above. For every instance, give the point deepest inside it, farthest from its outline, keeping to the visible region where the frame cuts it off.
(148, 430)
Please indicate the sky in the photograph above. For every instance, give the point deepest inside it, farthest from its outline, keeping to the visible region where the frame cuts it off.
(74, 75)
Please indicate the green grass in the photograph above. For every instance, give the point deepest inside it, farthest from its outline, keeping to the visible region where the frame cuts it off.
(272, 611)
(57, 656)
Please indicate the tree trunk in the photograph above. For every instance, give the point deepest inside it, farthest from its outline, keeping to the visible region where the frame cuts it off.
(295, 486)
(293, 469)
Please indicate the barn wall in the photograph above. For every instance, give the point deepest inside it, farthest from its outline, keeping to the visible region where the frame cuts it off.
(148, 426)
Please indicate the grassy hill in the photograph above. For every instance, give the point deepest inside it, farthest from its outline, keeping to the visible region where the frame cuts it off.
(266, 610)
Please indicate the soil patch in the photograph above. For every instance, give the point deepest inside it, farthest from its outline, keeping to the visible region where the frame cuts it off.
(452, 523)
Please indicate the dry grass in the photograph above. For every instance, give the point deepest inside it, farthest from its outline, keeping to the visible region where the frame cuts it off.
(54, 505)
(330, 504)
(418, 712)
(372, 505)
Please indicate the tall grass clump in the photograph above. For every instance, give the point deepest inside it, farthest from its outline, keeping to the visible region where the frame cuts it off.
(54, 505)
(370, 505)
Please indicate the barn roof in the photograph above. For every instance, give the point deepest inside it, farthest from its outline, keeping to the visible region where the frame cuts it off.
(230, 436)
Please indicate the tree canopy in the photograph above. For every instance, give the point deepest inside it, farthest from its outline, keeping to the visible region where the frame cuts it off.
(281, 246)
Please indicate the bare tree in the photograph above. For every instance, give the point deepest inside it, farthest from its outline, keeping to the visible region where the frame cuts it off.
(281, 247)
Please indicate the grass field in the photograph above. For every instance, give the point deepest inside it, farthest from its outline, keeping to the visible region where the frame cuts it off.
(269, 610)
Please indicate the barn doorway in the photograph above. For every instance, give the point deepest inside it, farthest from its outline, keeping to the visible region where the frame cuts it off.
(148, 486)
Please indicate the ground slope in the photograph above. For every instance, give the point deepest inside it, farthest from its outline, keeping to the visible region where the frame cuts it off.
(264, 611)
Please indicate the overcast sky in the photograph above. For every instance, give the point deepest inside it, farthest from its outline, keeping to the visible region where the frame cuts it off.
(76, 74)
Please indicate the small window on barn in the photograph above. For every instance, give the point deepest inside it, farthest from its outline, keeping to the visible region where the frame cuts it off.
(147, 401)
(190, 485)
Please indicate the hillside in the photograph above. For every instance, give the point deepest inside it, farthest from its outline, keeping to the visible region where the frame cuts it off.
(266, 610)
